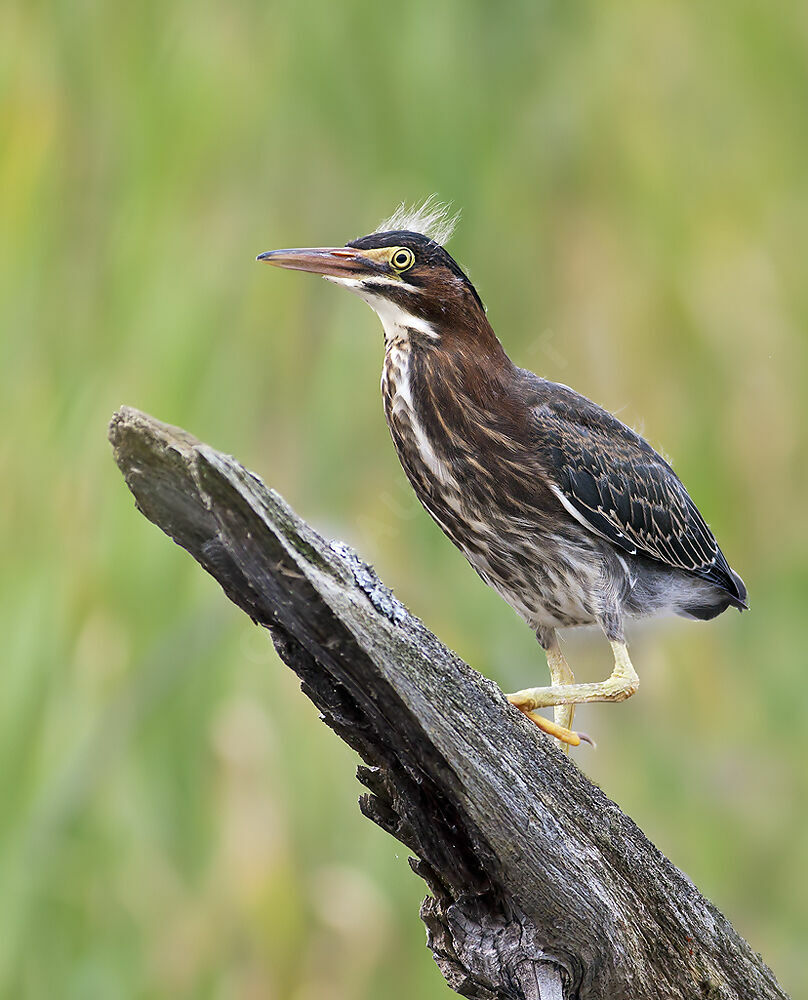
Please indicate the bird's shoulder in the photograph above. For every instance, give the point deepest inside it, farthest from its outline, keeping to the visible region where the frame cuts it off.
(571, 426)
(612, 480)
(575, 419)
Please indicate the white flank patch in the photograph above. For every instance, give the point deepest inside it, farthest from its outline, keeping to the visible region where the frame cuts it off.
(581, 519)
(432, 218)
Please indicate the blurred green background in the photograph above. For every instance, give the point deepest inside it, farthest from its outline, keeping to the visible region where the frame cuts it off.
(174, 820)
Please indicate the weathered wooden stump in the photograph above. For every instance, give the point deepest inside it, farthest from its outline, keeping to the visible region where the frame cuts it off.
(541, 887)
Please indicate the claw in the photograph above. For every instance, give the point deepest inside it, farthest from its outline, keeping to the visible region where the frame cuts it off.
(558, 732)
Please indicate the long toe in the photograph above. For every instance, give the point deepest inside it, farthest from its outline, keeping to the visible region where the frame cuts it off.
(561, 733)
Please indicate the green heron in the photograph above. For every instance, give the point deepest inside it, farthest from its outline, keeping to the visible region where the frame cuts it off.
(566, 512)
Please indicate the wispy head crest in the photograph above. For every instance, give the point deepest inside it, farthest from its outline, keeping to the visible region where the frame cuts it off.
(432, 218)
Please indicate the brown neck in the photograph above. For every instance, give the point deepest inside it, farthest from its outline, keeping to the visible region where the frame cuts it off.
(459, 386)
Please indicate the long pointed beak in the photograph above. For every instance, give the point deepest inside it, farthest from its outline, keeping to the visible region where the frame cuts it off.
(337, 262)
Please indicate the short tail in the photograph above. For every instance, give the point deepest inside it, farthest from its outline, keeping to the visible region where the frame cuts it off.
(729, 592)
(739, 601)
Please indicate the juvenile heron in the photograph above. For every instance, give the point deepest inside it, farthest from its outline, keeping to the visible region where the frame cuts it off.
(566, 512)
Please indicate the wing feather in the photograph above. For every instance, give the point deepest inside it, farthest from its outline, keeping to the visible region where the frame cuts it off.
(614, 482)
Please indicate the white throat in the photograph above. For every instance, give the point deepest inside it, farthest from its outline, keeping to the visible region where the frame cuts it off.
(397, 321)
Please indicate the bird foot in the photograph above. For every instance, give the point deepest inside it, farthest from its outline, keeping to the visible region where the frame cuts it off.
(567, 736)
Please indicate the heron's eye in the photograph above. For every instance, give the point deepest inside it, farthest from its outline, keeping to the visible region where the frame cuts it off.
(402, 259)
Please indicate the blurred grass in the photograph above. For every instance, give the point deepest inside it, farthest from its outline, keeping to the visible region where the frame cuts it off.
(173, 819)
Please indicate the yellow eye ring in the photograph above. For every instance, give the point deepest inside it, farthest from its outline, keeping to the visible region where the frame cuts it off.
(402, 259)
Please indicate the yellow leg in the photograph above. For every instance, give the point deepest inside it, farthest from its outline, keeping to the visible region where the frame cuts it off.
(560, 673)
(622, 683)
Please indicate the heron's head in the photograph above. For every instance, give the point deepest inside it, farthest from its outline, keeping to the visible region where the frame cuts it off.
(405, 274)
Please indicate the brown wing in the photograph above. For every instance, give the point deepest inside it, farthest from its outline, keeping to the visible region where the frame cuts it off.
(614, 482)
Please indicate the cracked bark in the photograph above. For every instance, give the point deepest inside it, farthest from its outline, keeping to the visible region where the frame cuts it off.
(540, 887)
